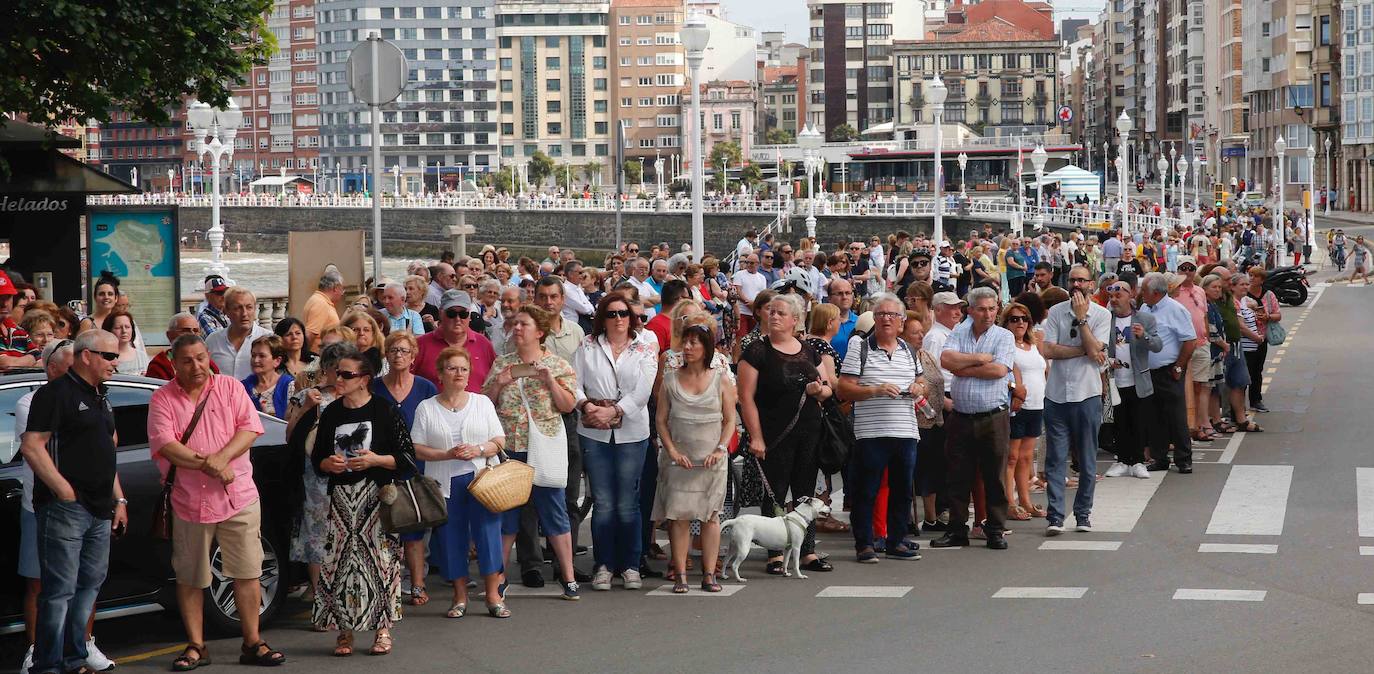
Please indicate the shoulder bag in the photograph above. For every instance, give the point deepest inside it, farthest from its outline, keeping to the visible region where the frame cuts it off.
(1274, 332)
(162, 512)
(413, 504)
(548, 454)
(503, 486)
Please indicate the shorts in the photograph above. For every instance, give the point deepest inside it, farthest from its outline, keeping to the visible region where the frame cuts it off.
(1200, 365)
(549, 503)
(1027, 424)
(240, 547)
(745, 324)
(28, 544)
(1233, 369)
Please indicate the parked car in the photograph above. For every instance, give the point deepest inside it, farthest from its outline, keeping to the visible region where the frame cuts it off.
(140, 575)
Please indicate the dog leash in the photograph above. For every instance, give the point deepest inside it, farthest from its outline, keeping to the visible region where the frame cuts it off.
(778, 511)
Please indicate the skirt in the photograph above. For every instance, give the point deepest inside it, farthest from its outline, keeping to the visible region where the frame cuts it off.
(360, 579)
(307, 539)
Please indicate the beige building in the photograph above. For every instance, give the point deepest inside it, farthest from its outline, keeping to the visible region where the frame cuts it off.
(727, 114)
(851, 80)
(1225, 105)
(647, 77)
(554, 88)
(1278, 57)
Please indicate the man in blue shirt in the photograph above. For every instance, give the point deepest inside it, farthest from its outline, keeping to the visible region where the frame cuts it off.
(841, 294)
(1168, 366)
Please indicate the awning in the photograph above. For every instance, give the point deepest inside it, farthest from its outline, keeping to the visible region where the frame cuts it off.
(1073, 182)
(36, 166)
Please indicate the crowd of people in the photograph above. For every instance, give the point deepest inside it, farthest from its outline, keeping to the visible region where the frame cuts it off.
(678, 390)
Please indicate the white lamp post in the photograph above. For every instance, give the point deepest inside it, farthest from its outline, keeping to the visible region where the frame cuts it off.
(1182, 168)
(171, 175)
(1123, 129)
(1330, 175)
(1310, 238)
(1038, 159)
(695, 36)
(1162, 165)
(1173, 158)
(938, 93)
(810, 140)
(963, 187)
(1280, 149)
(220, 126)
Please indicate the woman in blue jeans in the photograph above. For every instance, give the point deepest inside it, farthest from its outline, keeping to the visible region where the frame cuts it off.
(615, 376)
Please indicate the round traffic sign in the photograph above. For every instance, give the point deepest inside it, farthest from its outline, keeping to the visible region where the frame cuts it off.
(376, 71)
(1065, 114)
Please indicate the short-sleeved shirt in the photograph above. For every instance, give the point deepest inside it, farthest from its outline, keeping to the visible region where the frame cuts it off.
(82, 444)
(1111, 247)
(1175, 326)
(196, 496)
(408, 320)
(234, 362)
(511, 409)
(421, 389)
(840, 342)
(881, 416)
(972, 394)
(479, 350)
(1073, 380)
(750, 285)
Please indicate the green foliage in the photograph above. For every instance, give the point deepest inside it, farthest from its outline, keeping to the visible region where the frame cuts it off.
(724, 155)
(75, 59)
(502, 180)
(843, 133)
(634, 172)
(541, 166)
(778, 136)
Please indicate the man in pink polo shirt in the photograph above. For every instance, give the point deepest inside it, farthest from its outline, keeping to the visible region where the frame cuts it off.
(1199, 374)
(455, 308)
(213, 494)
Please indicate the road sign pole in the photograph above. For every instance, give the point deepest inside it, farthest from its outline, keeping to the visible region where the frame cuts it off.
(374, 48)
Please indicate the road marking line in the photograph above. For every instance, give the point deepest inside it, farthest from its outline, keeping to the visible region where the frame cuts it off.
(1365, 598)
(1271, 370)
(1120, 502)
(1040, 593)
(148, 655)
(1244, 548)
(865, 591)
(522, 591)
(1228, 453)
(1105, 546)
(1364, 500)
(1219, 595)
(1276, 360)
(1367, 550)
(666, 590)
(1253, 502)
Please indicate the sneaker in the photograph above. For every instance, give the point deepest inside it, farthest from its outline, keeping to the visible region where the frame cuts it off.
(28, 659)
(632, 579)
(570, 590)
(601, 580)
(867, 556)
(937, 525)
(1259, 407)
(1118, 469)
(1054, 529)
(95, 659)
(1084, 525)
(1141, 471)
(880, 546)
(902, 552)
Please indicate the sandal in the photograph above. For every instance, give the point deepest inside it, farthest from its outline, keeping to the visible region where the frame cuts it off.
(260, 654)
(830, 525)
(1252, 427)
(656, 553)
(343, 646)
(1019, 514)
(381, 645)
(681, 587)
(457, 610)
(818, 564)
(498, 611)
(418, 596)
(1038, 511)
(1223, 427)
(709, 584)
(774, 568)
(185, 663)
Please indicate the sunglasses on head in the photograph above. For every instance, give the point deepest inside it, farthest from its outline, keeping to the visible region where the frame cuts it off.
(456, 312)
(349, 374)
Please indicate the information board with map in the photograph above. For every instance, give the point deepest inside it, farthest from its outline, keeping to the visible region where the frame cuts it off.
(141, 246)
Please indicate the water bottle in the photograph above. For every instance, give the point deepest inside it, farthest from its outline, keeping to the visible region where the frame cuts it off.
(924, 406)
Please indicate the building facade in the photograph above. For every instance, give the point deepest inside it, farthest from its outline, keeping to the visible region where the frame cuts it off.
(852, 79)
(648, 73)
(1277, 78)
(727, 115)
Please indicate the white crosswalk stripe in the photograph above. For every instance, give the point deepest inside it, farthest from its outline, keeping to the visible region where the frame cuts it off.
(1253, 502)
(865, 591)
(1241, 548)
(1103, 546)
(1364, 500)
(666, 590)
(1196, 594)
(1040, 593)
(1118, 503)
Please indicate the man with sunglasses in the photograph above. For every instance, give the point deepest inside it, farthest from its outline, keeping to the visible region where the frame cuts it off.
(766, 267)
(1132, 339)
(455, 310)
(78, 503)
(1075, 334)
(1199, 366)
(442, 279)
(745, 247)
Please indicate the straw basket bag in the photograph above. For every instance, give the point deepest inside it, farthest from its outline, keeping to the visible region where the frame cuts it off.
(503, 486)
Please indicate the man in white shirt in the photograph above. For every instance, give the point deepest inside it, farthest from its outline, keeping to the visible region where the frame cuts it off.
(745, 247)
(748, 283)
(576, 307)
(807, 264)
(945, 267)
(639, 278)
(948, 309)
(232, 347)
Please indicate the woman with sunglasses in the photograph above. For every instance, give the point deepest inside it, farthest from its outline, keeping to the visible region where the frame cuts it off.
(362, 444)
(406, 391)
(1028, 409)
(615, 375)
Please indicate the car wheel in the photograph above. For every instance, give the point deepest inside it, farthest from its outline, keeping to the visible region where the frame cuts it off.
(221, 614)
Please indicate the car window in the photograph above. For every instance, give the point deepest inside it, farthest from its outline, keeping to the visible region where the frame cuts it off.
(9, 438)
(130, 405)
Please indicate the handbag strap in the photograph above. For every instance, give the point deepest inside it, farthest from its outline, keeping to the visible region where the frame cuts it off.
(186, 434)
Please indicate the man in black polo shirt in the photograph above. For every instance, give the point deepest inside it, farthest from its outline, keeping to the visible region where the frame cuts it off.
(70, 444)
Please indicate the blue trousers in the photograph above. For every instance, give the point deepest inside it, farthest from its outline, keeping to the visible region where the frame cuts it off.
(73, 555)
(613, 473)
(1071, 425)
(871, 456)
(469, 523)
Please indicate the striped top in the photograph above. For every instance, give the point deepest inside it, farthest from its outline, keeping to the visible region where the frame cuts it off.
(881, 416)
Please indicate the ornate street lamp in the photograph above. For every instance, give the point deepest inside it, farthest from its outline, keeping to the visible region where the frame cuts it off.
(938, 92)
(1280, 149)
(1123, 130)
(220, 126)
(1038, 159)
(810, 140)
(695, 36)
(963, 187)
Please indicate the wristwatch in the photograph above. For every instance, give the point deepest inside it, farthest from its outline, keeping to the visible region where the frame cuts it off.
(1079, 322)
(122, 501)
(1178, 369)
(723, 448)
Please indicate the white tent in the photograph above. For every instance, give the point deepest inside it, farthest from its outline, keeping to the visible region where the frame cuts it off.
(1074, 182)
(281, 183)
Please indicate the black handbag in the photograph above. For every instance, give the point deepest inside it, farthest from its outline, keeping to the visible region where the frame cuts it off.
(837, 437)
(413, 504)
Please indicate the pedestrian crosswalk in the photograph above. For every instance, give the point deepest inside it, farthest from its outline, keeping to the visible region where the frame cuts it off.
(1253, 502)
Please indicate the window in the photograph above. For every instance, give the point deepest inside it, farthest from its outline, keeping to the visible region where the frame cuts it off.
(734, 120)
(627, 102)
(1300, 95)
(717, 121)
(553, 85)
(1324, 90)
(553, 106)
(601, 128)
(1324, 30)
(553, 63)
(506, 63)
(598, 106)
(551, 41)
(624, 20)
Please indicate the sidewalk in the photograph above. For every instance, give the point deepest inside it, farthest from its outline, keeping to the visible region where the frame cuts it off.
(1345, 218)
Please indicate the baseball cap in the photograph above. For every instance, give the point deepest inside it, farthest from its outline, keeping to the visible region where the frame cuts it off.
(795, 278)
(945, 244)
(1187, 259)
(215, 283)
(6, 285)
(945, 298)
(455, 298)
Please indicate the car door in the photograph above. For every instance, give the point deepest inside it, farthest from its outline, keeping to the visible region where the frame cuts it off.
(139, 566)
(11, 492)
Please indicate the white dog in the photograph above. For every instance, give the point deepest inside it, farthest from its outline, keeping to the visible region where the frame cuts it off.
(773, 533)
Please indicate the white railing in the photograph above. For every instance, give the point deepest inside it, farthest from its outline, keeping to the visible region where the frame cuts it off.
(767, 153)
(733, 204)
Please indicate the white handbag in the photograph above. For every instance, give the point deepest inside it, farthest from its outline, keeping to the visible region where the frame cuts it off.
(548, 454)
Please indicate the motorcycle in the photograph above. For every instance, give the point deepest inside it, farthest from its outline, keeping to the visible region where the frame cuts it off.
(1289, 284)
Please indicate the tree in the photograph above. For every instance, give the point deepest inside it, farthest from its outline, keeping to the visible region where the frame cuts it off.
(778, 136)
(66, 59)
(502, 180)
(843, 133)
(724, 155)
(591, 170)
(565, 176)
(752, 176)
(634, 172)
(541, 166)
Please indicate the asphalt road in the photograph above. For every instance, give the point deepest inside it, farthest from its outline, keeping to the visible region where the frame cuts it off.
(1151, 597)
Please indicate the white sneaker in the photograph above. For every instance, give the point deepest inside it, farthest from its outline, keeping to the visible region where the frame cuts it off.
(1054, 530)
(95, 659)
(28, 661)
(1117, 470)
(1141, 471)
(632, 579)
(601, 580)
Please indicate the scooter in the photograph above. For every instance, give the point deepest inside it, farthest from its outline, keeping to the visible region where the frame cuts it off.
(1289, 284)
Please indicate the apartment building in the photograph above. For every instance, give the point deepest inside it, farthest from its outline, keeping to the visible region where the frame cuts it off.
(1184, 49)
(851, 79)
(1225, 104)
(647, 75)
(555, 81)
(444, 123)
(1277, 78)
(782, 104)
(1356, 93)
(727, 114)
(732, 51)
(142, 153)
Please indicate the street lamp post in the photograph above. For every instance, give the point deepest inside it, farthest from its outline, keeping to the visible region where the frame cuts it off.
(695, 36)
(171, 175)
(220, 126)
(1330, 176)
(1310, 237)
(810, 140)
(1280, 149)
(1162, 165)
(1182, 168)
(1038, 159)
(963, 187)
(938, 93)
(1123, 129)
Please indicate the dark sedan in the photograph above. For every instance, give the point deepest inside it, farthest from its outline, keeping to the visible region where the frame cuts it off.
(140, 574)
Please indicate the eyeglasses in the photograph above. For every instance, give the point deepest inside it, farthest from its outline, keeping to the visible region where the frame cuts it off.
(455, 369)
(887, 314)
(923, 263)
(398, 351)
(1119, 289)
(634, 250)
(349, 374)
(469, 286)
(456, 312)
(109, 357)
(786, 251)
(1076, 281)
(1018, 318)
(619, 313)
(1187, 267)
